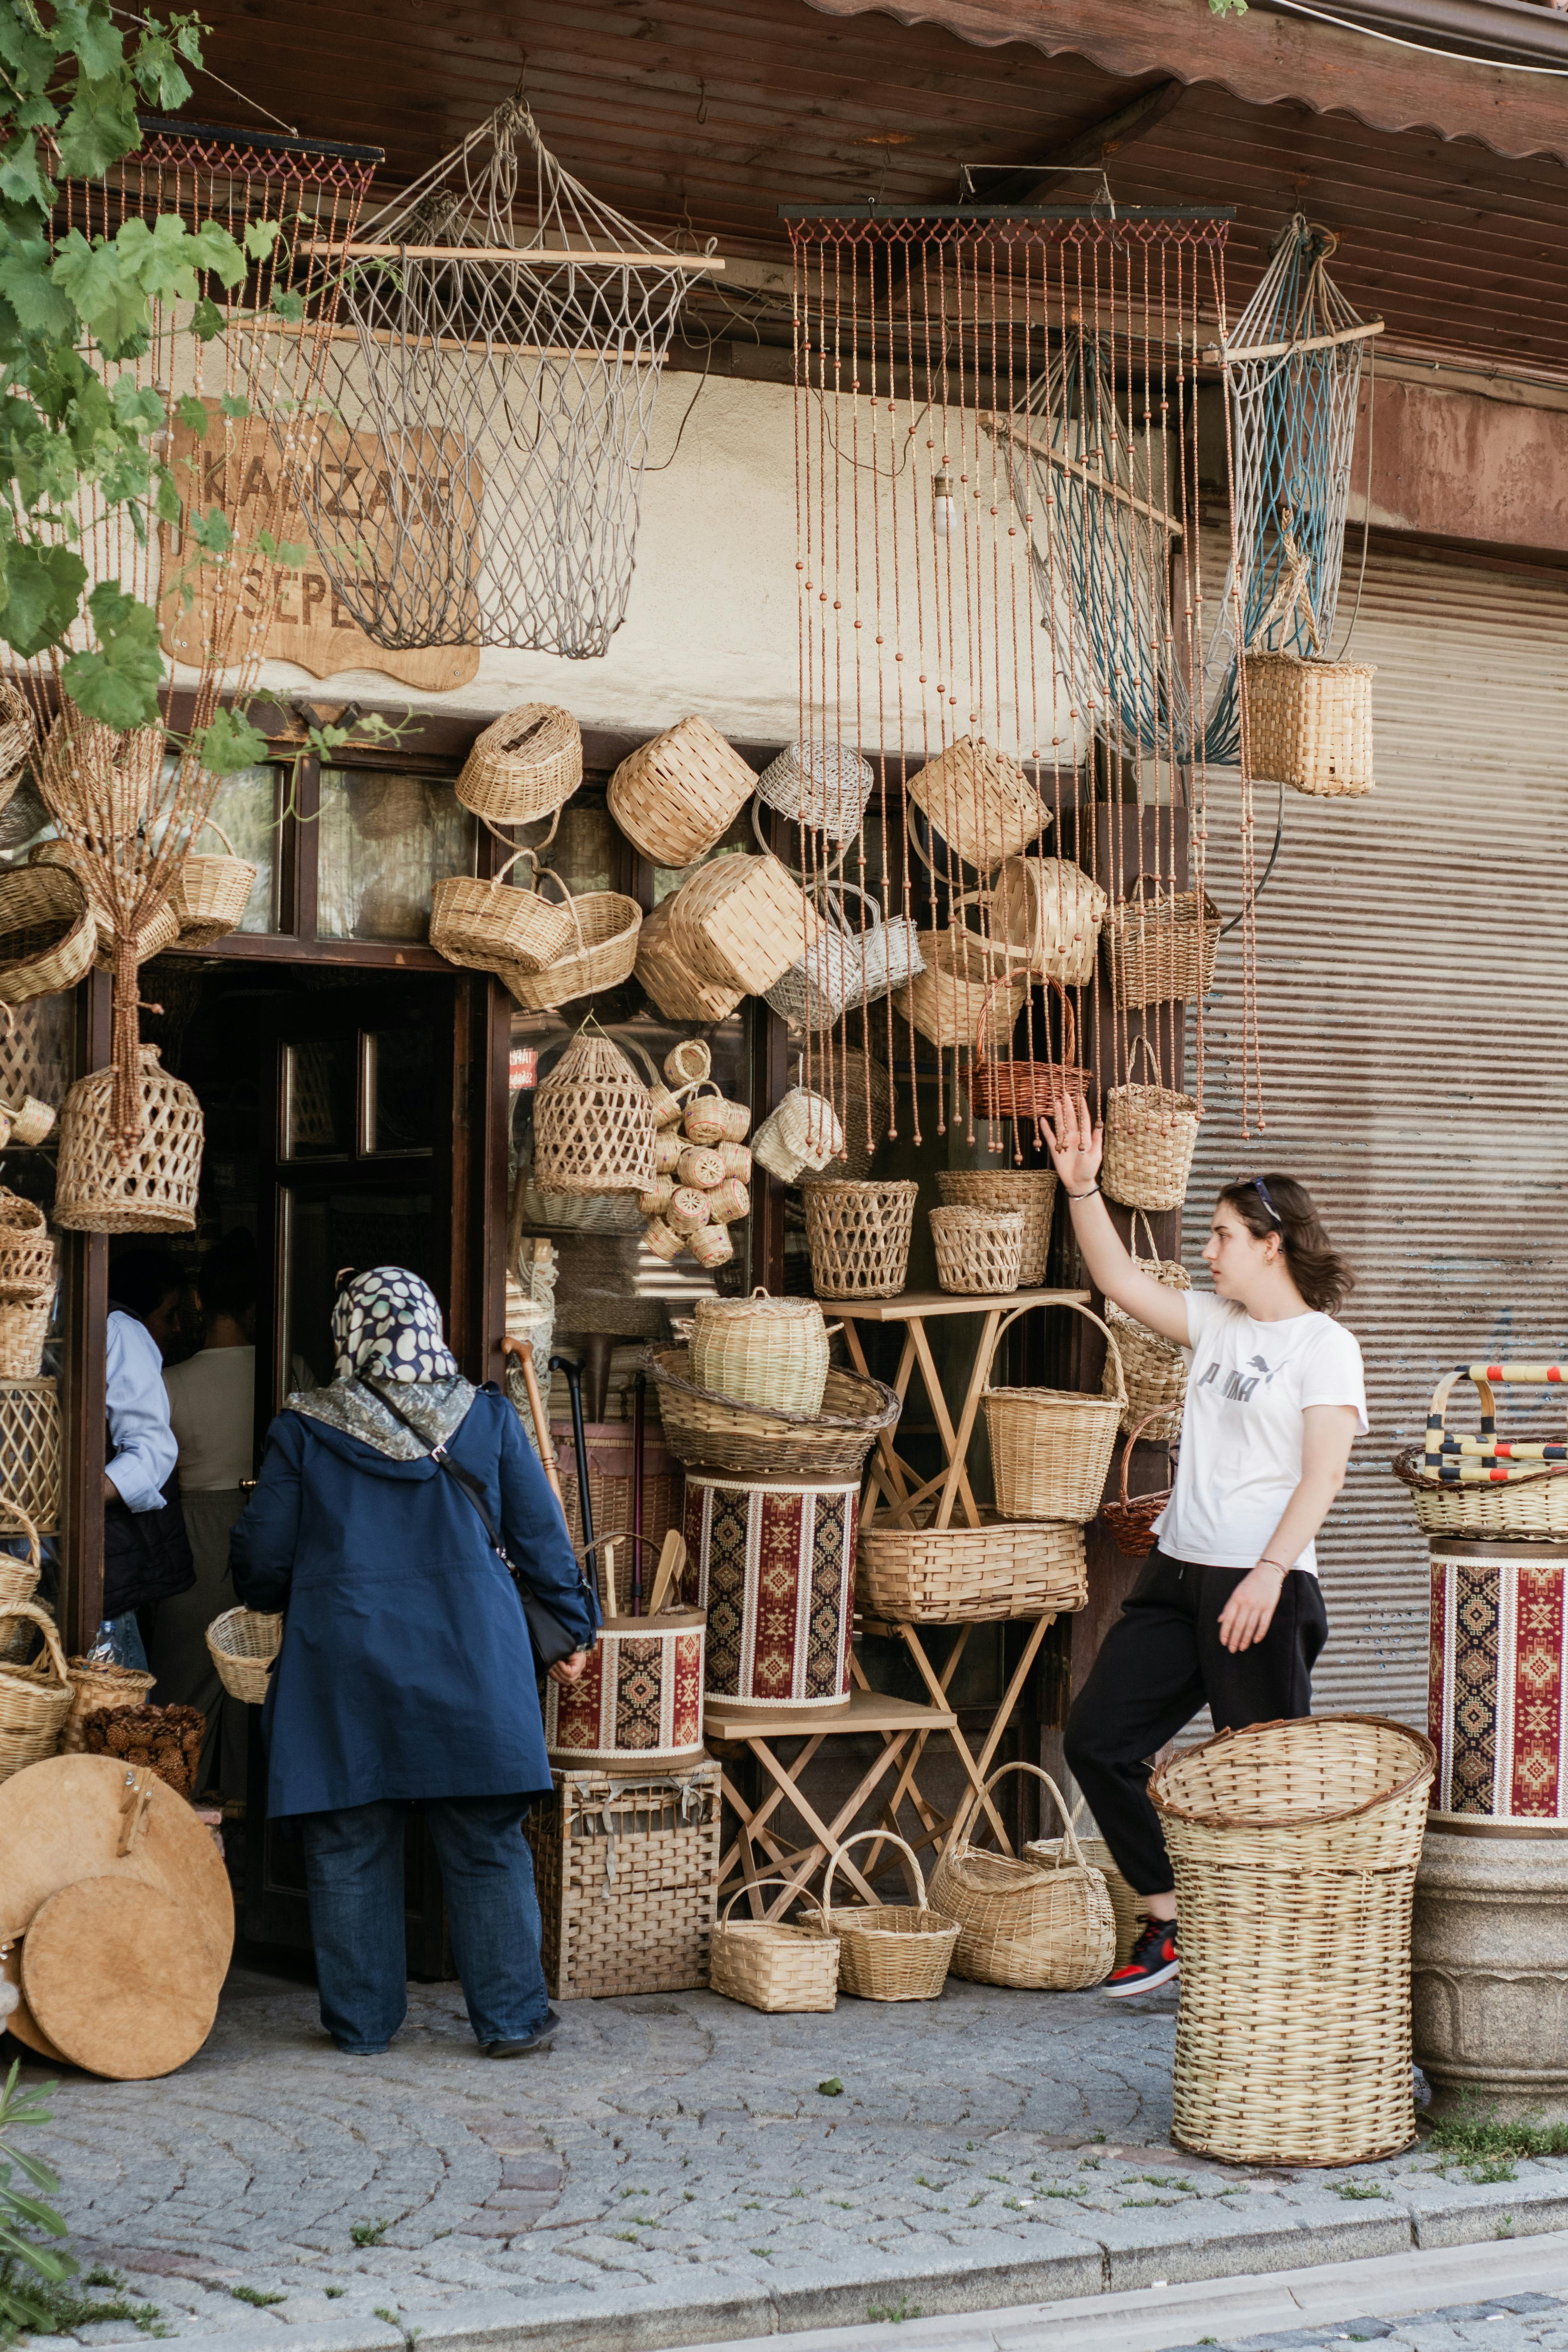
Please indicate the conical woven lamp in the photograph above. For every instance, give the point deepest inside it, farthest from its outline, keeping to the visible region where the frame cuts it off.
(593, 1121)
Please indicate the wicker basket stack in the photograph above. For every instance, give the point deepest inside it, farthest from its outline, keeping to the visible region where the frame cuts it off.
(27, 1282)
(1031, 1190)
(800, 1132)
(703, 1166)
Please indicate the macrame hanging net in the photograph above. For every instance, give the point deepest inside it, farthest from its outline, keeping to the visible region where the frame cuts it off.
(477, 478)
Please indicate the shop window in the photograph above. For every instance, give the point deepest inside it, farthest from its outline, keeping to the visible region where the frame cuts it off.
(399, 1091)
(321, 1097)
(248, 807)
(383, 842)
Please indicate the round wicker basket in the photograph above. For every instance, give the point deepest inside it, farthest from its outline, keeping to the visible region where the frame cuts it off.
(1045, 1926)
(47, 935)
(1131, 1517)
(710, 1246)
(150, 1189)
(242, 1644)
(823, 786)
(1051, 1448)
(771, 1965)
(1151, 1135)
(592, 1122)
(608, 925)
(979, 1252)
(1047, 913)
(1032, 1190)
(858, 1235)
(210, 893)
(724, 1438)
(890, 1951)
(525, 764)
(764, 1351)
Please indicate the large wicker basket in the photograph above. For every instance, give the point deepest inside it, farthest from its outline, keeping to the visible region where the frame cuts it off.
(603, 951)
(1032, 1190)
(523, 766)
(593, 1121)
(47, 934)
(1294, 1847)
(242, 1644)
(823, 786)
(1153, 1368)
(33, 1700)
(678, 796)
(969, 1576)
(741, 923)
(858, 1236)
(983, 804)
(1161, 949)
(724, 1438)
(95, 1686)
(1151, 1135)
(770, 1965)
(1046, 1926)
(210, 893)
(28, 1258)
(681, 994)
(150, 1189)
(1051, 1448)
(964, 981)
(979, 1251)
(1047, 913)
(1309, 723)
(764, 1351)
(890, 1951)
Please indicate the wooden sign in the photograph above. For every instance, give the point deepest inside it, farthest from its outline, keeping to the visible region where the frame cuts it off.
(308, 623)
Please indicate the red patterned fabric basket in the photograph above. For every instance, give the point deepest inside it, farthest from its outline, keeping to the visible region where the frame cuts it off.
(773, 1567)
(1499, 1687)
(638, 1705)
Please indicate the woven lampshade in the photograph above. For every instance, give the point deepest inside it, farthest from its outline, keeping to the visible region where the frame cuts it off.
(592, 1122)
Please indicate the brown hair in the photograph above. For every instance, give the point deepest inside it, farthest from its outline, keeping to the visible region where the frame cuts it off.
(1278, 1204)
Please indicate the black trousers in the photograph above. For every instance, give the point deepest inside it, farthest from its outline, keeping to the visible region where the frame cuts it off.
(1157, 1665)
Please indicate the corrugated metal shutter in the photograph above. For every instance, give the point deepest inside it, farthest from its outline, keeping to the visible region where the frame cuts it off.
(1412, 995)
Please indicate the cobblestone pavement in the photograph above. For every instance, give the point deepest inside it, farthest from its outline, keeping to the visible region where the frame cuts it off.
(681, 2169)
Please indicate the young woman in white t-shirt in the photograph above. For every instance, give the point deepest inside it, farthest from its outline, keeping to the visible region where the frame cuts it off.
(1227, 1609)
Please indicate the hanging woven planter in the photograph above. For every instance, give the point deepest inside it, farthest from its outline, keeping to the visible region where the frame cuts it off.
(210, 893)
(1002, 1088)
(592, 1122)
(523, 766)
(1161, 950)
(47, 935)
(150, 1188)
(679, 794)
(983, 804)
(1151, 1135)
(1047, 913)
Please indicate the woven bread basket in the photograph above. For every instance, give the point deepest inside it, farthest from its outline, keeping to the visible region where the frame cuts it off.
(1048, 914)
(603, 950)
(525, 764)
(890, 1951)
(680, 993)
(678, 796)
(741, 923)
(593, 1123)
(489, 926)
(982, 803)
(158, 929)
(1154, 1369)
(1051, 1448)
(1151, 1135)
(759, 1350)
(770, 1965)
(725, 1438)
(979, 1252)
(47, 934)
(95, 1686)
(1045, 1926)
(858, 1236)
(923, 1575)
(1131, 1517)
(1161, 950)
(964, 982)
(33, 1700)
(1032, 1190)
(18, 734)
(1310, 724)
(210, 893)
(242, 1644)
(28, 1257)
(823, 786)
(150, 1190)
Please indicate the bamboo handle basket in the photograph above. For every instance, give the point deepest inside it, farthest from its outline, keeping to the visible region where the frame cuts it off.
(890, 1951)
(924, 1575)
(242, 1644)
(1051, 1448)
(1161, 950)
(1004, 1088)
(33, 1700)
(210, 893)
(601, 956)
(489, 926)
(1131, 1517)
(979, 1252)
(1484, 1487)
(1151, 1135)
(771, 1965)
(1046, 1926)
(523, 766)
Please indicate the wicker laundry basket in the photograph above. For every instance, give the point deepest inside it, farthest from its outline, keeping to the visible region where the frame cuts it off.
(979, 1251)
(151, 1188)
(770, 1965)
(626, 1871)
(983, 803)
(523, 766)
(890, 1951)
(242, 1644)
(1051, 1448)
(1310, 724)
(1044, 1925)
(858, 1236)
(1294, 1847)
(923, 1575)
(1032, 1190)
(1161, 949)
(676, 796)
(1151, 1135)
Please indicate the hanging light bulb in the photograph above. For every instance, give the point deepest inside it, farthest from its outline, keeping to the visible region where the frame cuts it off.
(943, 506)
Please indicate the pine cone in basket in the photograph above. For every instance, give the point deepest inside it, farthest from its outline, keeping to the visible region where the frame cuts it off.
(164, 1739)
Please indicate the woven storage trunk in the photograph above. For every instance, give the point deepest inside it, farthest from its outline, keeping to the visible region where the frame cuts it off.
(1047, 913)
(982, 802)
(27, 1260)
(765, 1351)
(971, 1576)
(1309, 723)
(625, 1872)
(242, 1644)
(1294, 1847)
(771, 1966)
(47, 935)
(210, 893)
(608, 926)
(1160, 950)
(858, 1236)
(678, 796)
(1051, 1448)
(33, 1700)
(1151, 1135)
(1044, 1925)
(823, 786)
(152, 1190)
(592, 1122)
(717, 1435)
(956, 991)
(741, 921)
(890, 1951)
(800, 1132)
(525, 764)
(32, 1450)
(979, 1252)
(638, 1707)
(773, 1567)
(680, 993)
(96, 1686)
(1031, 1190)
(1153, 1368)
(489, 926)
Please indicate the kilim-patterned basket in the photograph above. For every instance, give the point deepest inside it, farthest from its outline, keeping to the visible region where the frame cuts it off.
(1043, 1927)
(210, 893)
(983, 805)
(637, 1706)
(663, 973)
(971, 1576)
(1031, 1190)
(890, 1951)
(1497, 1682)
(242, 1644)
(1151, 1135)
(150, 1189)
(33, 1700)
(720, 1436)
(605, 926)
(1047, 913)
(592, 1122)
(488, 926)
(678, 796)
(1153, 1368)
(823, 786)
(858, 1236)
(525, 764)
(979, 1252)
(770, 1965)
(741, 923)
(1299, 1837)
(625, 1872)
(94, 1687)
(964, 983)
(27, 1259)
(1050, 1448)
(18, 734)
(773, 1566)
(1161, 950)
(1309, 723)
(32, 1450)
(47, 935)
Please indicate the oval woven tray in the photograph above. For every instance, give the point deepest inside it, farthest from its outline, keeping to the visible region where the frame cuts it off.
(717, 1434)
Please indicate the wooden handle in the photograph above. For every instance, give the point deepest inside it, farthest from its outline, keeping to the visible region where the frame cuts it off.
(1008, 1320)
(540, 1419)
(802, 1893)
(864, 1837)
(670, 1569)
(961, 1825)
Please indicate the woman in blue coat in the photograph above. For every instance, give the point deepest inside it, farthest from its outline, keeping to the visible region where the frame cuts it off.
(406, 1673)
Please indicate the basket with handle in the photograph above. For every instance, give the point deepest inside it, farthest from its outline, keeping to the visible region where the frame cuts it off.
(1124, 1904)
(858, 1235)
(242, 1644)
(1155, 1369)
(210, 893)
(1004, 1088)
(983, 803)
(1032, 1190)
(592, 1122)
(920, 1574)
(1131, 1517)
(158, 926)
(1051, 1448)
(958, 985)
(33, 1700)
(18, 736)
(823, 786)
(741, 923)
(1151, 1135)
(801, 1131)
(1046, 1926)
(1310, 723)
(27, 1256)
(674, 797)
(979, 1251)
(1161, 949)
(604, 947)
(1048, 914)
(489, 926)
(1488, 1486)
(770, 1965)
(849, 964)
(890, 1951)
(523, 766)
(761, 1350)
(49, 934)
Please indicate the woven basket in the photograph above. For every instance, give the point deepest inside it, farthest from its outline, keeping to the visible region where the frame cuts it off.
(18, 734)
(769, 1965)
(152, 1190)
(94, 1687)
(710, 1246)
(24, 1327)
(210, 893)
(593, 1123)
(33, 1700)
(721, 1436)
(1310, 724)
(1483, 1486)
(1031, 1190)
(95, 772)
(741, 923)
(1159, 949)
(982, 802)
(979, 1252)
(1126, 1906)
(1151, 1135)
(1043, 1927)
(964, 982)
(32, 1450)
(689, 1062)
(525, 764)
(608, 926)
(155, 932)
(1154, 1369)
(1131, 1517)
(858, 1236)
(678, 796)
(47, 935)
(1048, 914)
(969, 1576)
(664, 977)
(242, 1644)
(18, 1577)
(823, 786)
(1004, 1087)
(801, 1132)
(1051, 1448)
(849, 964)
(34, 1122)
(890, 1951)
(765, 1351)
(491, 926)
(1294, 1847)
(28, 1258)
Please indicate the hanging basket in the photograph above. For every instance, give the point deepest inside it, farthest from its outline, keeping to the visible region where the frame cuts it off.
(771, 1965)
(33, 1700)
(32, 1122)
(678, 796)
(764, 1351)
(1161, 950)
(603, 949)
(1051, 1448)
(890, 1951)
(24, 1327)
(1043, 1927)
(242, 1644)
(592, 1124)
(150, 1190)
(523, 766)
(711, 1119)
(801, 1132)
(1155, 1368)
(18, 735)
(847, 967)
(1048, 914)
(47, 934)
(983, 804)
(1004, 1088)
(969, 1576)
(32, 1450)
(688, 1063)
(95, 1686)
(823, 786)
(157, 931)
(741, 923)
(99, 779)
(964, 981)
(1031, 1190)
(1151, 1135)
(858, 1236)
(489, 926)
(28, 1258)
(723, 1438)
(210, 893)
(1310, 724)
(1131, 1517)
(979, 1252)
(664, 975)
(18, 1577)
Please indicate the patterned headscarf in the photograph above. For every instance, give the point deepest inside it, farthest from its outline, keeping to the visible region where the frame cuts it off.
(386, 1328)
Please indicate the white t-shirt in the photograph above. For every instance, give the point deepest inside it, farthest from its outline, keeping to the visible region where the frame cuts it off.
(1248, 1384)
(211, 1408)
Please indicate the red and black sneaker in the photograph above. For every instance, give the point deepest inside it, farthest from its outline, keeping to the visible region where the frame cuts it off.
(1153, 1961)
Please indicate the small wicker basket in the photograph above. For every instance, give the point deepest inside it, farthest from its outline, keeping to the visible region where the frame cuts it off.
(159, 929)
(678, 796)
(1000, 1086)
(1151, 1135)
(680, 993)
(964, 982)
(858, 1236)
(979, 1252)
(18, 1577)
(242, 1644)
(969, 1576)
(28, 1257)
(1131, 1517)
(95, 1686)
(983, 804)
(1048, 914)
(592, 1122)
(47, 934)
(1031, 1190)
(524, 765)
(802, 1131)
(210, 893)
(1161, 950)
(821, 786)
(1051, 1448)
(759, 1350)
(489, 926)
(24, 1328)
(150, 1190)
(890, 1951)
(1310, 724)
(1474, 1487)
(33, 1700)
(1045, 1926)
(771, 1965)
(603, 951)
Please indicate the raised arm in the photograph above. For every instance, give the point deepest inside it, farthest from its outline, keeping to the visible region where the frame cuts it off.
(1075, 1147)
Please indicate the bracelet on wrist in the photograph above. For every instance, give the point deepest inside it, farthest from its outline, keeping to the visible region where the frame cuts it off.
(1084, 1196)
(1278, 1566)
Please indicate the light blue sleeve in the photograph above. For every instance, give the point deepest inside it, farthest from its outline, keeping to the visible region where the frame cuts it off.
(143, 1450)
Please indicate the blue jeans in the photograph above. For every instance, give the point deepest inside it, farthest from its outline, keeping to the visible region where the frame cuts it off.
(353, 1873)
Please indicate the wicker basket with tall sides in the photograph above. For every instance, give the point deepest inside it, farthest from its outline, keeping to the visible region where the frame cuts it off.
(1046, 1926)
(593, 1121)
(770, 1965)
(1161, 949)
(1048, 914)
(150, 1189)
(983, 803)
(28, 1258)
(979, 1252)
(766, 1352)
(242, 1644)
(523, 766)
(741, 923)
(1051, 1448)
(678, 796)
(1153, 1368)
(210, 893)
(24, 1328)
(33, 1700)
(858, 1236)
(1151, 1135)
(1032, 1190)
(890, 1951)
(1298, 1839)
(1310, 723)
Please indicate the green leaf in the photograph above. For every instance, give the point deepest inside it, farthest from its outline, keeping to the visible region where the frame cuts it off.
(212, 247)
(192, 414)
(34, 2211)
(41, 306)
(290, 553)
(112, 306)
(187, 32)
(119, 683)
(22, 180)
(30, 57)
(234, 403)
(260, 237)
(159, 72)
(211, 531)
(86, 28)
(230, 742)
(207, 320)
(33, 2167)
(161, 260)
(137, 406)
(100, 128)
(289, 306)
(167, 505)
(43, 585)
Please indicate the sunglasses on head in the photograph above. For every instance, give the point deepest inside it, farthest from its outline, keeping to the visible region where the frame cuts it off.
(1261, 1189)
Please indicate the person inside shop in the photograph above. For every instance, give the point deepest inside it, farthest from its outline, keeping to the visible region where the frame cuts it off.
(146, 1554)
(1227, 1609)
(407, 1675)
(212, 1410)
